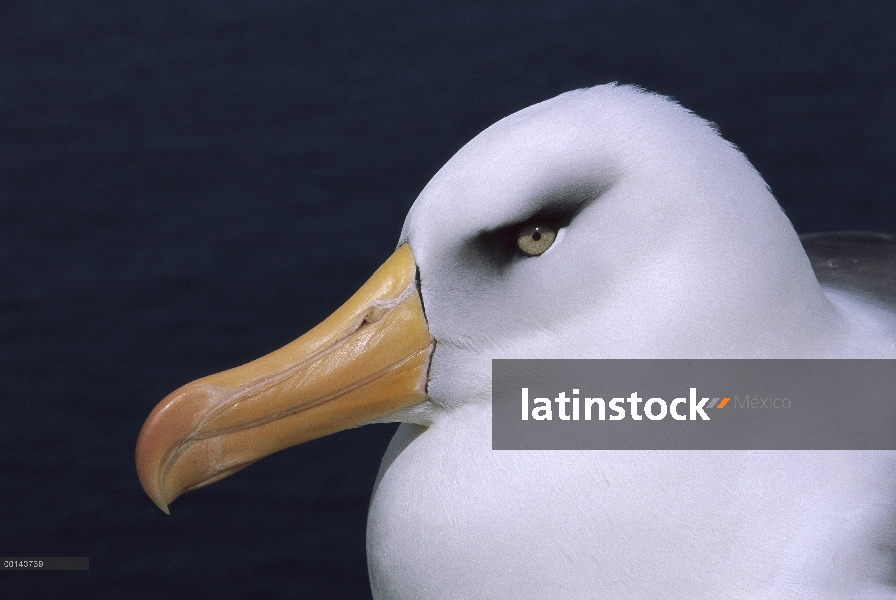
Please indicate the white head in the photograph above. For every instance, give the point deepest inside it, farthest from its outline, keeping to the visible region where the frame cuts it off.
(669, 245)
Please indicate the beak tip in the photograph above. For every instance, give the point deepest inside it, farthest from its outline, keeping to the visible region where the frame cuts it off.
(162, 434)
(149, 459)
(159, 501)
(156, 493)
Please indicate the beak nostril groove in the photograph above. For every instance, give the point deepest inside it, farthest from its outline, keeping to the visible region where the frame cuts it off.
(374, 314)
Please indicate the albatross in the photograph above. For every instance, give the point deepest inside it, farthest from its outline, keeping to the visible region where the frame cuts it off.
(607, 222)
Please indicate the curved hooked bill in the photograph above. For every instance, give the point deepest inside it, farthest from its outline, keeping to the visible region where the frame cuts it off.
(369, 358)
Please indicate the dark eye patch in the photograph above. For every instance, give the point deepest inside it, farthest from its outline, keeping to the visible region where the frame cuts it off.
(498, 247)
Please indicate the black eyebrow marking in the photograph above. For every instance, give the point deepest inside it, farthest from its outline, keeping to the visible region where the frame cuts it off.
(497, 247)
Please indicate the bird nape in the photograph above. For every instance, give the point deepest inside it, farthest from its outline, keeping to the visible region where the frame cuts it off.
(603, 223)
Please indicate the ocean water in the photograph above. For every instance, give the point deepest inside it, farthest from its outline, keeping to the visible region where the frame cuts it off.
(185, 186)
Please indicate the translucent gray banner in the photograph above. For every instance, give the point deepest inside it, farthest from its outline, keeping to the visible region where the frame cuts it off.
(694, 404)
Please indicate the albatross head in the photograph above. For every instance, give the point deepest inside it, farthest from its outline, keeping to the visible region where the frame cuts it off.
(666, 243)
(603, 223)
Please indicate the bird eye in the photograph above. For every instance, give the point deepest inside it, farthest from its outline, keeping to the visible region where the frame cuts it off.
(534, 239)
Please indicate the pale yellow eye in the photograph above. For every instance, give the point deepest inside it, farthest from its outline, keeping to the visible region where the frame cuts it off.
(534, 239)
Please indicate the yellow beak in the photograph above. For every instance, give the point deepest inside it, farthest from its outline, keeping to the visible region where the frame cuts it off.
(369, 358)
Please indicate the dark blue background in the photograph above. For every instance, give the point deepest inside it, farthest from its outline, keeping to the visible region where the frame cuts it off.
(186, 185)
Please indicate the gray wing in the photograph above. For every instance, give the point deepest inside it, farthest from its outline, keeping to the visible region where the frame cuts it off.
(856, 261)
